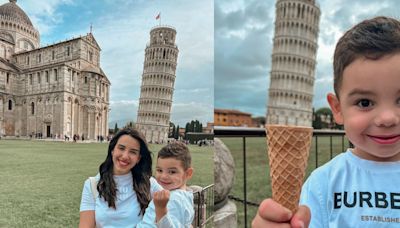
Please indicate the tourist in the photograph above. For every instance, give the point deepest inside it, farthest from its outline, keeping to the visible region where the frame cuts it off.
(172, 207)
(358, 188)
(124, 184)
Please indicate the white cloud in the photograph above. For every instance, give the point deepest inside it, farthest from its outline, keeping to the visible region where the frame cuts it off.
(186, 112)
(125, 102)
(45, 15)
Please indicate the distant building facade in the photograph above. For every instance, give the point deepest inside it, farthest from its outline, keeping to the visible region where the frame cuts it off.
(293, 62)
(58, 90)
(158, 80)
(235, 118)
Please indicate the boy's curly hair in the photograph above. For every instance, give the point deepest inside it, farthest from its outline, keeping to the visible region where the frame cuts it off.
(371, 39)
(177, 150)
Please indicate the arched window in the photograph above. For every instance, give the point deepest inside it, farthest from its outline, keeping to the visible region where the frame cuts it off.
(33, 108)
(9, 104)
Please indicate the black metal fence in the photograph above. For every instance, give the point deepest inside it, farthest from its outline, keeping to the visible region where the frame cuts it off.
(242, 132)
(204, 207)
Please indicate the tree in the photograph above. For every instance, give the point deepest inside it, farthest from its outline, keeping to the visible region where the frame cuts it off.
(197, 126)
(317, 122)
(323, 118)
(187, 129)
(171, 130)
(130, 124)
(193, 126)
(116, 128)
(176, 133)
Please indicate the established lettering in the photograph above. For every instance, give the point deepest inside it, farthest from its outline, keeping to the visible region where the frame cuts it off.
(379, 219)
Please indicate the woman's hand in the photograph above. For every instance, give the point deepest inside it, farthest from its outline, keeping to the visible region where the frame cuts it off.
(273, 215)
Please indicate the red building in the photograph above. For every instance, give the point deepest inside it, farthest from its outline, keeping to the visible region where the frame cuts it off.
(228, 117)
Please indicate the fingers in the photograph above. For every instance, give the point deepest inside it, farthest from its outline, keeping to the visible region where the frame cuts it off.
(273, 211)
(259, 222)
(273, 215)
(166, 194)
(161, 195)
(302, 217)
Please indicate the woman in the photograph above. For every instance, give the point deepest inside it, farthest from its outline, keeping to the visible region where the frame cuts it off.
(124, 184)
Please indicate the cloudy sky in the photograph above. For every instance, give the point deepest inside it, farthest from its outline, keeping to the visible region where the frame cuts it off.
(243, 44)
(122, 30)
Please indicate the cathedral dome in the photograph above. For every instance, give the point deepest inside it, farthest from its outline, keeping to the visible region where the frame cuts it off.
(13, 12)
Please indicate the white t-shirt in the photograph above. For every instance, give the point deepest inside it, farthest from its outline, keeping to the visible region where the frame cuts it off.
(352, 192)
(127, 209)
(180, 211)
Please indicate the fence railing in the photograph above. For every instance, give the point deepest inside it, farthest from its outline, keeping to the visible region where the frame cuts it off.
(243, 132)
(204, 207)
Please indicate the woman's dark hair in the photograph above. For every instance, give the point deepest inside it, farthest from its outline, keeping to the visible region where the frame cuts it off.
(141, 172)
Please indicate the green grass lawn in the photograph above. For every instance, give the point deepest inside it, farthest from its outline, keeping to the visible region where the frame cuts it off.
(258, 180)
(41, 182)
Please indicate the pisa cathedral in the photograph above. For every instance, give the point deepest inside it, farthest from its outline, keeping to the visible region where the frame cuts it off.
(56, 90)
(157, 87)
(293, 62)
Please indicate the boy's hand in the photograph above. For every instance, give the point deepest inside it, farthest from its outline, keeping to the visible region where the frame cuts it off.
(161, 199)
(273, 215)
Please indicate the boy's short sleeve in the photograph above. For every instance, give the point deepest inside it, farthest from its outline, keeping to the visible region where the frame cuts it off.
(87, 202)
(313, 197)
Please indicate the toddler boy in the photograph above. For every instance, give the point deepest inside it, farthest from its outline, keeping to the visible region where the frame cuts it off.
(173, 206)
(358, 188)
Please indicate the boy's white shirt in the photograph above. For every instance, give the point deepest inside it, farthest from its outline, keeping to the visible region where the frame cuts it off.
(330, 191)
(180, 211)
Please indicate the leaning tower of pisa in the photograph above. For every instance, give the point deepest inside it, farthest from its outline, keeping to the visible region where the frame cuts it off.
(293, 62)
(158, 81)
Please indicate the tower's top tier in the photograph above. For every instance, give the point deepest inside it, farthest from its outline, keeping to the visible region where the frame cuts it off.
(162, 35)
(306, 1)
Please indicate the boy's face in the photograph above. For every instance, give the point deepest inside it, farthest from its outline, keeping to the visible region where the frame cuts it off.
(369, 107)
(171, 175)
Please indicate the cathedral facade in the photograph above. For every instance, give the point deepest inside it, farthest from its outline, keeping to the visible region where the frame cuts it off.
(53, 91)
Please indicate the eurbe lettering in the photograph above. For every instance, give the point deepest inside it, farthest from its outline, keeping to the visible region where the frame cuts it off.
(366, 199)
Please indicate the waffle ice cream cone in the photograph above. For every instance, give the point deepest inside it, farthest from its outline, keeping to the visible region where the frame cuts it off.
(288, 149)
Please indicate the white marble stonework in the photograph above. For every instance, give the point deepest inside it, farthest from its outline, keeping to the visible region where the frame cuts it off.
(293, 63)
(55, 91)
(158, 79)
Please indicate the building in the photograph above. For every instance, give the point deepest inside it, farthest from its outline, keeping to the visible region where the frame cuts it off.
(228, 117)
(293, 62)
(158, 79)
(209, 128)
(53, 91)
